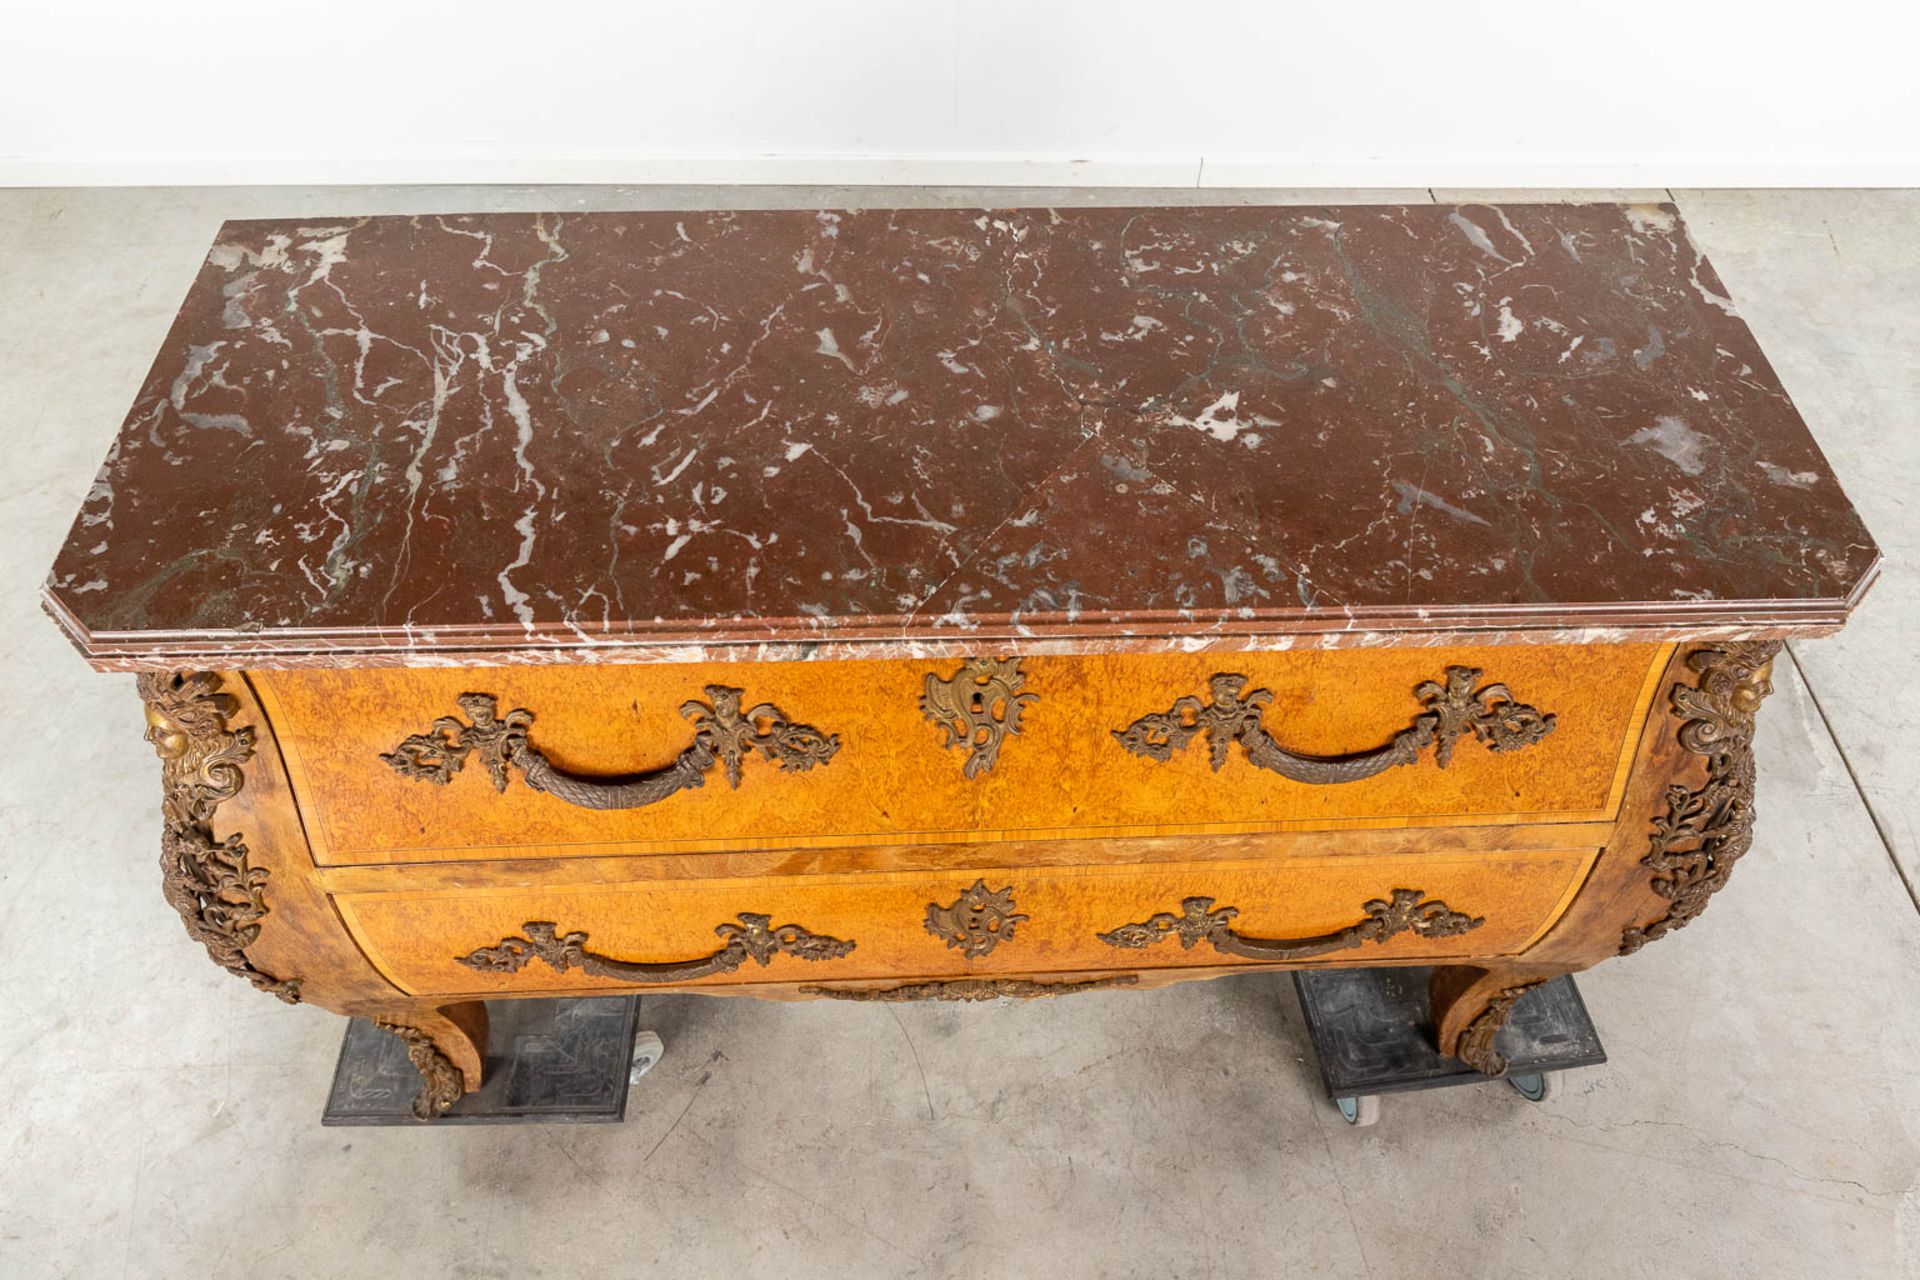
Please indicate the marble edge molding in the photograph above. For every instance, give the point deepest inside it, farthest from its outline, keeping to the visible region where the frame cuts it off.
(774, 640)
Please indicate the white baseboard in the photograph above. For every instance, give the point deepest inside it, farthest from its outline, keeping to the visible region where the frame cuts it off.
(428, 167)
(561, 167)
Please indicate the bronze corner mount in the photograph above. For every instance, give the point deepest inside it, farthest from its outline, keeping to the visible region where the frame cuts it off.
(1702, 832)
(212, 883)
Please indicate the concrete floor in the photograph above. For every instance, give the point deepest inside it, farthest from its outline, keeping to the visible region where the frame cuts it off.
(1760, 1116)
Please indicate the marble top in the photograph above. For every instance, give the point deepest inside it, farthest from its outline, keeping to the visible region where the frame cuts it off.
(657, 436)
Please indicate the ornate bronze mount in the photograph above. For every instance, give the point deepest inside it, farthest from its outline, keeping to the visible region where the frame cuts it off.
(751, 939)
(1454, 708)
(213, 884)
(1703, 832)
(1475, 1046)
(441, 1083)
(970, 990)
(978, 921)
(977, 707)
(722, 734)
(1198, 922)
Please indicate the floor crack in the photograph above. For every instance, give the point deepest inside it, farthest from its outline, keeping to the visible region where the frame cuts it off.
(1853, 775)
(698, 1085)
(920, 1066)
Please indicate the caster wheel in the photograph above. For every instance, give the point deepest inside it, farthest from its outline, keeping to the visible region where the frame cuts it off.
(647, 1049)
(1537, 1087)
(1359, 1111)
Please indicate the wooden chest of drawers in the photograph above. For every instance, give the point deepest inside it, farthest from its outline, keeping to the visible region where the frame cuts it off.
(1070, 826)
(950, 605)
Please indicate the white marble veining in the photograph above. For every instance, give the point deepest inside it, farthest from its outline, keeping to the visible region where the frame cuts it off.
(597, 436)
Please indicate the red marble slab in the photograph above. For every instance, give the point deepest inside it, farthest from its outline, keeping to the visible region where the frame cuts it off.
(654, 435)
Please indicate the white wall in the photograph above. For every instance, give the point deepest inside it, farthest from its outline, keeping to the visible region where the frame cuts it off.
(1395, 92)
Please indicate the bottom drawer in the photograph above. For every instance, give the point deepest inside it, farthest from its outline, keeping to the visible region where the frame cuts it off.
(613, 935)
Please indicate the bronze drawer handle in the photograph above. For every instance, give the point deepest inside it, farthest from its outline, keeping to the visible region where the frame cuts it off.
(722, 733)
(751, 939)
(1453, 709)
(1198, 922)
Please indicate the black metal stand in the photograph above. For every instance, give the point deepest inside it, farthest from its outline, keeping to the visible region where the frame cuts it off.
(1373, 1034)
(562, 1061)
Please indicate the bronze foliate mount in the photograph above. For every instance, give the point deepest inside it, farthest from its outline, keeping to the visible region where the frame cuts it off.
(754, 938)
(1475, 1046)
(1198, 921)
(441, 1083)
(213, 884)
(1703, 832)
(977, 921)
(722, 734)
(1455, 708)
(971, 990)
(977, 707)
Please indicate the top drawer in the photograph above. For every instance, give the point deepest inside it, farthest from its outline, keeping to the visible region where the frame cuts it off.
(636, 759)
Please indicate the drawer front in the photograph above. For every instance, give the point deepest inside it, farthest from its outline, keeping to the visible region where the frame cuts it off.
(615, 935)
(635, 759)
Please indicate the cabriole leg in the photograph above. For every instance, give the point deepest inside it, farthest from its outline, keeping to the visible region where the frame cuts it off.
(447, 1045)
(1470, 1005)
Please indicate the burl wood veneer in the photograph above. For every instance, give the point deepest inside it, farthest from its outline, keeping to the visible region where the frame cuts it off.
(950, 604)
